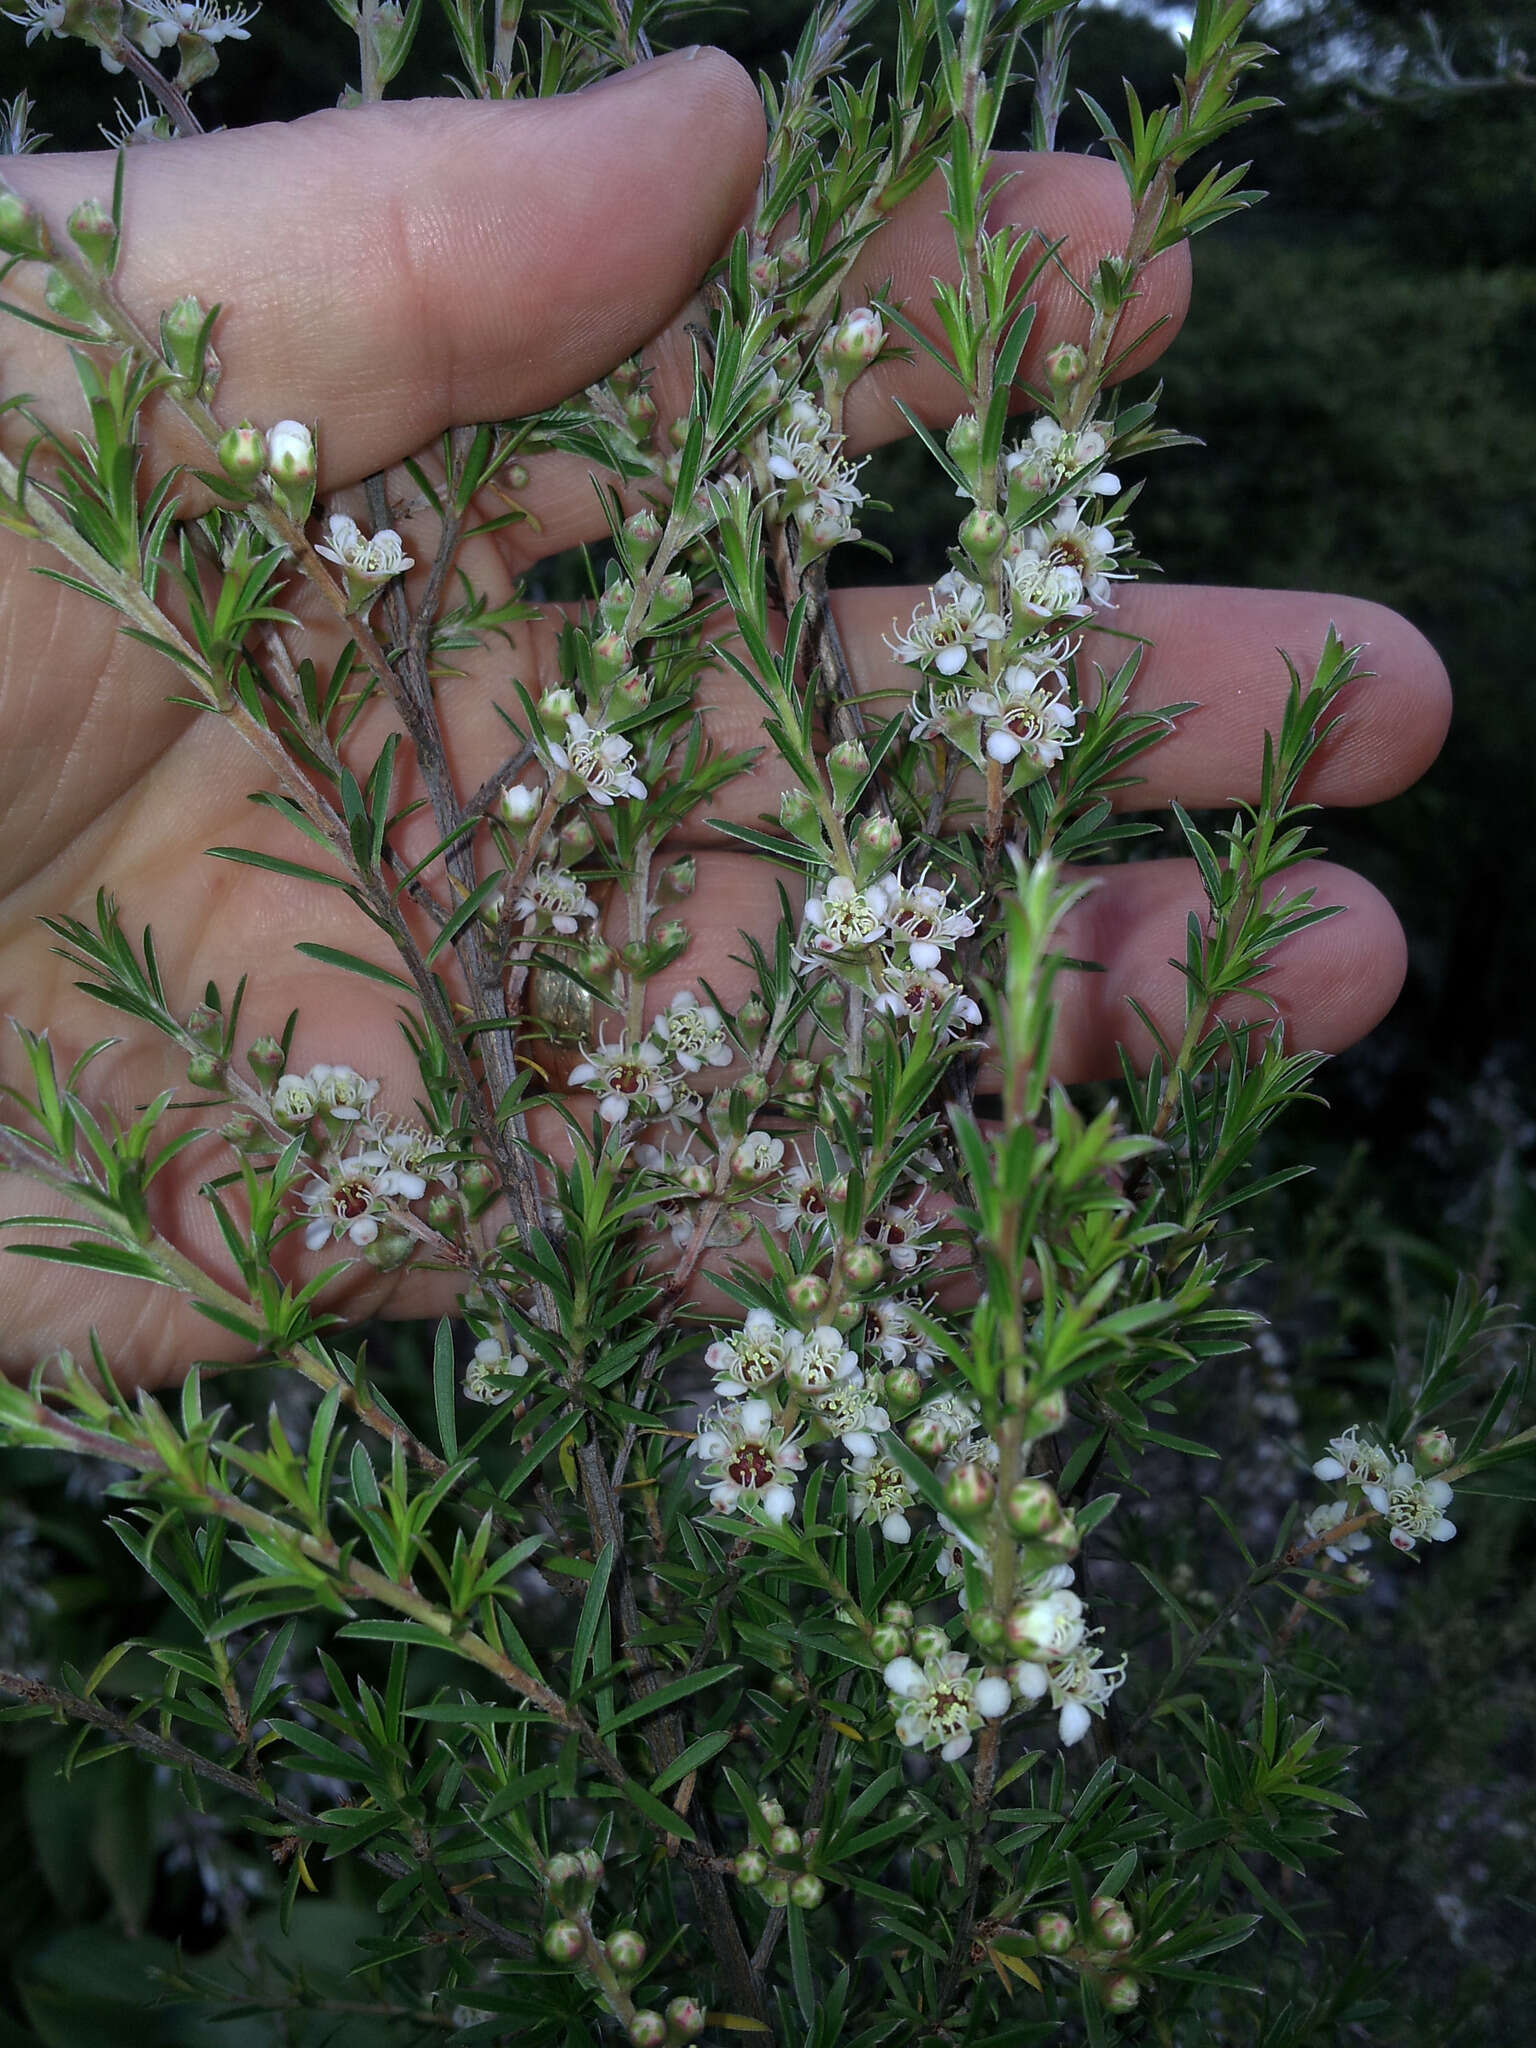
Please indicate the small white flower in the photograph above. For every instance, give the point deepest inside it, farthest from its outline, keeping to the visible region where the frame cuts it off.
(908, 993)
(939, 1708)
(752, 1357)
(603, 761)
(693, 1032)
(290, 452)
(1413, 1507)
(743, 1448)
(1023, 714)
(492, 1362)
(519, 804)
(1356, 1463)
(850, 1410)
(879, 1491)
(553, 896)
(628, 1079)
(166, 21)
(1051, 455)
(349, 1201)
(1329, 1516)
(819, 1360)
(898, 1339)
(342, 1092)
(844, 919)
(925, 920)
(955, 625)
(758, 1157)
(371, 559)
(906, 1236)
(1081, 1687)
(39, 18)
(800, 1198)
(1053, 1625)
(1065, 542)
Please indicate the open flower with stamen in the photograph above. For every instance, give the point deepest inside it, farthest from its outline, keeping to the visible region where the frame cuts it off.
(850, 1409)
(491, 1363)
(340, 1092)
(350, 1200)
(744, 1450)
(879, 1491)
(926, 921)
(603, 762)
(693, 1032)
(1048, 1628)
(1328, 1517)
(367, 560)
(820, 1359)
(752, 1357)
(1025, 713)
(898, 1338)
(939, 1708)
(1413, 1506)
(403, 1162)
(162, 23)
(1065, 541)
(799, 1198)
(628, 1080)
(844, 919)
(1081, 1687)
(1357, 1462)
(908, 993)
(1052, 454)
(949, 628)
(554, 897)
(906, 1236)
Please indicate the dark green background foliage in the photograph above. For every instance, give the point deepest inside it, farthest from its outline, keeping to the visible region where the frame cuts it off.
(1357, 361)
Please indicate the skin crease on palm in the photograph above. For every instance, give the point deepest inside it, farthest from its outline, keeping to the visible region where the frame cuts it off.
(391, 272)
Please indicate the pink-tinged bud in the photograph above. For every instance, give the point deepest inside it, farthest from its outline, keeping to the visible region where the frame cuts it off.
(577, 839)
(685, 2016)
(783, 1688)
(862, 1265)
(1433, 1450)
(848, 766)
(564, 1942)
(518, 805)
(673, 596)
(678, 880)
(1120, 1993)
(611, 654)
(1047, 1414)
(927, 1435)
(205, 1070)
(969, 1491)
(903, 1389)
(23, 231)
(696, 1178)
(799, 815)
(183, 329)
(964, 441)
(445, 1215)
(763, 276)
(630, 693)
(785, 1841)
(1064, 1541)
(290, 454)
(897, 1613)
(92, 231)
(626, 377)
(643, 528)
(1112, 1923)
(1055, 1933)
(480, 1184)
(751, 1866)
(772, 1812)
(242, 1133)
(243, 453)
(625, 1951)
(775, 1889)
(982, 534)
(807, 1891)
(1065, 365)
(855, 342)
(648, 2029)
(876, 844)
(1032, 1508)
(591, 1867)
(929, 1641)
(806, 1296)
(206, 1025)
(846, 1314)
(562, 1874)
(515, 476)
(793, 256)
(985, 1626)
(888, 1643)
(390, 1250)
(752, 1022)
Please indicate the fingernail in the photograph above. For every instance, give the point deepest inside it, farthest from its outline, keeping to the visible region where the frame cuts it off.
(646, 70)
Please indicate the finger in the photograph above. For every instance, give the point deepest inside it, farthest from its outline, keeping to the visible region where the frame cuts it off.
(398, 269)
(1225, 652)
(1079, 202)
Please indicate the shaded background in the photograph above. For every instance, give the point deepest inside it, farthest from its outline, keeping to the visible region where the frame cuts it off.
(1358, 362)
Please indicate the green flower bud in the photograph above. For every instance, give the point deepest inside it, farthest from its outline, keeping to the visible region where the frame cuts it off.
(926, 1435)
(672, 599)
(929, 1640)
(806, 1296)
(772, 1812)
(23, 231)
(390, 1249)
(206, 1025)
(685, 2016)
(1047, 1414)
(184, 339)
(799, 816)
(896, 1612)
(982, 534)
(1065, 365)
(903, 1389)
(752, 1022)
(243, 453)
(1112, 1923)
(888, 1643)
(1433, 1450)
(985, 1626)
(611, 655)
(862, 1265)
(1032, 1508)
(784, 1689)
(648, 2029)
(591, 1868)
(969, 1491)
(807, 1891)
(785, 1841)
(775, 1889)
(445, 1214)
(1120, 1993)
(480, 1184)
(848, 766)
(205, 1070)
(677, 881)
(564, 1942)
(1055, 1933)
(626, 1951)
(244, 1134)
(751, 1866)
(577, 839)
(94, 234)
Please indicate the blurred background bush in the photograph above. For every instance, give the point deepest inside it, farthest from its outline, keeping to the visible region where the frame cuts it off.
(1358, 361)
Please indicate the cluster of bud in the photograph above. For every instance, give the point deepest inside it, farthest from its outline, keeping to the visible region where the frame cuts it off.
(1096, 1951)
(778, 1872)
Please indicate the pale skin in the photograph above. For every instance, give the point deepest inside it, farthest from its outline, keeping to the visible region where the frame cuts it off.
(389, 273)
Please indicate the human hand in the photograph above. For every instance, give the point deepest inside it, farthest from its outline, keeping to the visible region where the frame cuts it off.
(389, 273)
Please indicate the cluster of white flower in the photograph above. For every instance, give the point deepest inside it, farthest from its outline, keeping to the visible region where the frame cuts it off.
(155, 25)
(490, 1368)
(591, 758)
(366, 1167)
(1403, 1490)
(818, 486)
(890, 937)
(647, 1080)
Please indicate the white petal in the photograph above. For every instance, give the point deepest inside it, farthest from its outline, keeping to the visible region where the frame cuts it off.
(904, 1678)
(950, 660)
(896, 1529)
(1073, 1723)
(955, 1748)
(777, 1502)
(993, 1697)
